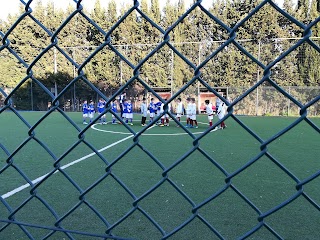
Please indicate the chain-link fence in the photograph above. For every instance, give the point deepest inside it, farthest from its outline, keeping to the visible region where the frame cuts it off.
(284, 73)
(275, 99)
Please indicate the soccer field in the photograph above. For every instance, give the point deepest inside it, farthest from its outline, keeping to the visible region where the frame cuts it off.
(166, 182)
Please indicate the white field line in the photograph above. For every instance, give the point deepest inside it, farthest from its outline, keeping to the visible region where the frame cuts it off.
(152, 134)
(14, 191)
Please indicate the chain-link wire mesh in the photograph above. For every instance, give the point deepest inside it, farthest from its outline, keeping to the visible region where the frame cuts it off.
(194, 210)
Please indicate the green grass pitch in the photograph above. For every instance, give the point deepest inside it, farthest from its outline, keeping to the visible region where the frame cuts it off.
(84, 183)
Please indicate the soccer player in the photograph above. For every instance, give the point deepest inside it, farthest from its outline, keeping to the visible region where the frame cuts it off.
(85, 111)
(218, 102)
(115, 110)
(158, 109)
(209, 111)
(121, 101)
(179, 110)
(222, 109)
(152, 109)
(166, 116)
(193, 114)
(159, 112)
(129, 115)
(91, 110)
(125, 110)
(101, 107)
(188, 112)
(144, 110)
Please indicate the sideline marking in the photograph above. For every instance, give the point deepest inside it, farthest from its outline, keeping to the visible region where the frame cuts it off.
(149, 134)
(14, 191)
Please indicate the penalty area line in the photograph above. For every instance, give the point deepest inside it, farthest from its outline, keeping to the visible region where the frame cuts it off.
(14, 191)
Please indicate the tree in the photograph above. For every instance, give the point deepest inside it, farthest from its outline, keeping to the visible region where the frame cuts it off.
(310, 57)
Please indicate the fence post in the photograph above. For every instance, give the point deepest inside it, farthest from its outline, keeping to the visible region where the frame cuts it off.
(289, 102)
(31, 95)
(199, 62)
(55, 72)
(227, 93)
(258, 77)
(74, 85)
(171, 84)
(121, 74)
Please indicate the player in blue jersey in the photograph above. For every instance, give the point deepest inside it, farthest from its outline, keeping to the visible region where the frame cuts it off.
(129, 116)
(114, 108)
(85, 111)
(158, 112)
(152, 109)
(101, 107)
(91, 110)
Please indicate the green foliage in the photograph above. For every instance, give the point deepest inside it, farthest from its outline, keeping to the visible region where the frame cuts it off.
(196, 37)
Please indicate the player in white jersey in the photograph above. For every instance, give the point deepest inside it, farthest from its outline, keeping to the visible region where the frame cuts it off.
(188, 109)
(222, 110)
(160, 110)
(121, 102)
(144, 112)
(179, 110)
(193, 114)
(91, 110)
(209, 111)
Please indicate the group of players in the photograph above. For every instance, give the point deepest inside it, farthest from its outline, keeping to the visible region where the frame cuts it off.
(153, 109)
(88, 111)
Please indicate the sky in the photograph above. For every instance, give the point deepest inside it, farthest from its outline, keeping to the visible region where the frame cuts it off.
(12, 6)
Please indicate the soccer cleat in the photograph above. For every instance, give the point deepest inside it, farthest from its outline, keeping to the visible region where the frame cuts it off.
(160, 125)
(85, 123)
(131, 124)
(196, 127)
(142, 125)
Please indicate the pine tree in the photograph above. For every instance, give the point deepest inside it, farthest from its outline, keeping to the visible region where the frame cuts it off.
(99, 16)
(169, 16)
(182, 72)
(311, 57)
